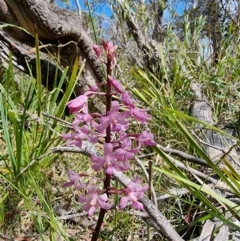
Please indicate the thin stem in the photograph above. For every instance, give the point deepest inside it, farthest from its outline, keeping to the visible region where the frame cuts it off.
(108, 100)
(149, 195)
(108, 139)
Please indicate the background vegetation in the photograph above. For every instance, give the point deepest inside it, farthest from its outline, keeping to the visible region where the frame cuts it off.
(184, 42)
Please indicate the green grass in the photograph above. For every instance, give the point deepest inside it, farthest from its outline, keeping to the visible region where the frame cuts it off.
(169, 100)
(30, 126)
(31, 175)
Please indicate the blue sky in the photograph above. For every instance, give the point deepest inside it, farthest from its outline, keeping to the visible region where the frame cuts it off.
(103, 9)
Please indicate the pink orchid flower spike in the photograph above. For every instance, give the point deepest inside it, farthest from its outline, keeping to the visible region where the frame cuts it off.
(75, 180)
(93, 201)
(134, 191)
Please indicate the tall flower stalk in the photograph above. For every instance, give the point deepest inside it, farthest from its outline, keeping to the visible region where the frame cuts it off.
(118, 149)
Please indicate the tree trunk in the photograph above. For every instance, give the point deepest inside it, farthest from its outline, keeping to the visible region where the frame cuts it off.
(58, 29)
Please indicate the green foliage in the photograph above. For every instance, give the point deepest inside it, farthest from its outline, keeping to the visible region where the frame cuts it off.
(167, 94)
(30, 126)
(186, 55)
(31, 123)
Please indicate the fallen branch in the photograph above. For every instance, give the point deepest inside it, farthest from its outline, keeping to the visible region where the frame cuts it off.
(173, 192)
(158, 221)
(217, 183)
(184, 155)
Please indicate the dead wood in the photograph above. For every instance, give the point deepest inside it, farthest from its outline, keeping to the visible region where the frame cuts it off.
(54, 26)
(216, 145)
(156, 219)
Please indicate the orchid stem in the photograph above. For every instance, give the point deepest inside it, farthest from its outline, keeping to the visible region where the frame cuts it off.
(108, 139)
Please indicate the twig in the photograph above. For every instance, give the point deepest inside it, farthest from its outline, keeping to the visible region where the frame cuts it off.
(184, 155)
(64, 217)
(138, 214)
(143, 167)
(71, 216)
(173, 192)
(224, 154)
(151, 187)
(79, 9)
(32, 163)
(87, 149)
(146, 155)
(6, 237)
(207, 144)
(218, 184)
(228, 153)
(150, 184)
(159, 222)
(33, 50)
(58, 119)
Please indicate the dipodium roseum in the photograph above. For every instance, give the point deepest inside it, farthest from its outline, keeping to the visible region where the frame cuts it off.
(118, 120)
(127, 100)
(124, 152)
(81, 102)
(108, 161)
(75, 180)
(97, 50)
(110, 50)
(140, 115)
(83, 133)
(120, 144)
(78, 103)
(134, 191)
(146, 138)
(117, 86)
(93, 200)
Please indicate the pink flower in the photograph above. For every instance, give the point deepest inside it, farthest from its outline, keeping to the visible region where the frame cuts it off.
(83, 133)
(127, 100)
(146, 138)
(108, 161)
(121, 122)
(134, 191)
(93, 201)
(110, 50)
(118, 121)
(81, 102)
(116, 84)
(140, 115)
(124, 153)
(82, 118)
(97, 50)
(76, 138)
(74, 180)
(87, 119)
(107, 45)
(78, 103)
(111, 54)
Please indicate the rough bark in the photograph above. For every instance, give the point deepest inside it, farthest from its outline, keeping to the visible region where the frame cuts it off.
(148, 46)
(214, 14)
(215, 144)
(158, 30)
(54, 26)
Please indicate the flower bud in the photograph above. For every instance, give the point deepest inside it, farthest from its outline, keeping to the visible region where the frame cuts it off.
(97, 50)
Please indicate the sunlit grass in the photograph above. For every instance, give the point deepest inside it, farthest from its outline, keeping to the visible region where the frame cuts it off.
(169, 99)
(31, 126)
